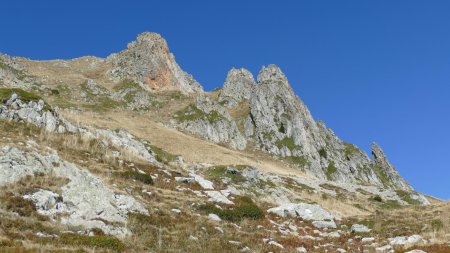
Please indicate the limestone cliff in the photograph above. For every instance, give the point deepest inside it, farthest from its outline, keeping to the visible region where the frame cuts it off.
(278, 122)
(149, 62)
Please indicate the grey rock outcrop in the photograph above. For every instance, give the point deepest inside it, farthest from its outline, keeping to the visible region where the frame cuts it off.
(85, 200)
(281, 124)
(407, 241)
(148, 62)
(380, 160)
(11, 73)
(238, 87)
(305, 211)
(34, 112)
(359, 228)
(126, 141)
(211, 121)
(285, 128)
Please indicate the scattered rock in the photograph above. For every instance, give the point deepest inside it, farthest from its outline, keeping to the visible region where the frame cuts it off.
(407, 241)
(205, 184)
(187, 180)
(301, 250)
(214, 217)
(84, 201)
(324, 224)
(358, 228)
(367, 239)
(218, 197)
(193, 238)
(219, 229)
(320, 217)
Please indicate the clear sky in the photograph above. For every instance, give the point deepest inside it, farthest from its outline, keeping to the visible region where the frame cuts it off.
(372, 70)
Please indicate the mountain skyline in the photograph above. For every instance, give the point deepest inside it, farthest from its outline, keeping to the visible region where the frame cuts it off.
(339, 68)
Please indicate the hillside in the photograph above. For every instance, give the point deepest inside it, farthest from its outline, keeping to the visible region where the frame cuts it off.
(129, 154)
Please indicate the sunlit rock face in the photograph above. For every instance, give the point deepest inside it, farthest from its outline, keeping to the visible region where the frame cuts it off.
(148, 62)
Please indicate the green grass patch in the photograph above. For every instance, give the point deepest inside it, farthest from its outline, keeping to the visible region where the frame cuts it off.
(381, 175)
(299, 161)
(161, 155)
(359, 206)
(287, 142)
(217, 172)
(237, 214)
(96, 241)
(331, 169)
(192, 113)
(323, 153)
(25, 96)
(134, 175)
(406, 196)
(391, 204)
(377, 198)
(268, 136)
(351, 149)
(127, 85)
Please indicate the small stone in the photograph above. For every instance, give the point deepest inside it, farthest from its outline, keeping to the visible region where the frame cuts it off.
(367, 240)
(214, 217)
(358, 228)
(219, 229)
(301, 250)
(245, 249)
(274, 243)
(324, 224)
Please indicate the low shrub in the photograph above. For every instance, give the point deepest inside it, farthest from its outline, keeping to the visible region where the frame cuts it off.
(323, 153)
(391, 204)
(331, 169)
(377, 198)
(236, 214)
(129, 174)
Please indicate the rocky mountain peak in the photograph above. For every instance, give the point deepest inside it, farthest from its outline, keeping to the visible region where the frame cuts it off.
(382, 163)
(148, 62)
(150, 40)
(238, 86)
(271, 73)
(378, 153)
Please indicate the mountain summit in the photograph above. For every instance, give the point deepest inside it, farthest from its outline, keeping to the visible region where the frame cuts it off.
(149, 62)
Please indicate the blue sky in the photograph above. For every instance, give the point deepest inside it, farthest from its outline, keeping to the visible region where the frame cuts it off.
(372, 70)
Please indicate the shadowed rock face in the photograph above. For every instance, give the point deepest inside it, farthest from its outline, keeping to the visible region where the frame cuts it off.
(149, 62)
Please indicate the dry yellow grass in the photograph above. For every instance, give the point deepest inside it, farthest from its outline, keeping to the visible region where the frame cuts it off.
(191, 148)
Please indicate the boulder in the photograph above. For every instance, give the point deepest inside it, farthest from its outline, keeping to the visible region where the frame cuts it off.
(324, 224)
(214, 217)
(84, 201)
(205, 184)
(407, 241)
(218, 197)
(358, 228)
(305, 211)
